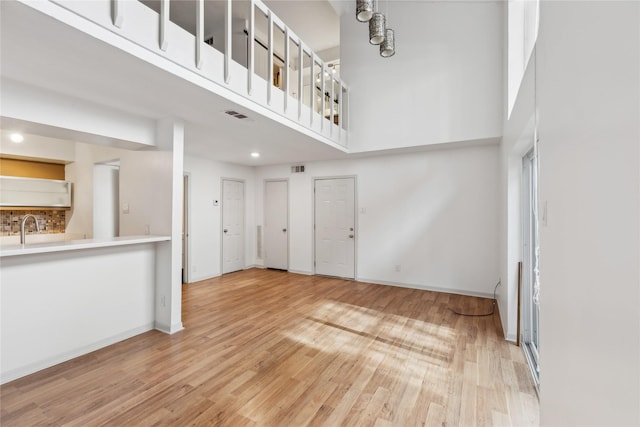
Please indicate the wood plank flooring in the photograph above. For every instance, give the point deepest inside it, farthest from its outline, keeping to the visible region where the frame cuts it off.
(269, 348)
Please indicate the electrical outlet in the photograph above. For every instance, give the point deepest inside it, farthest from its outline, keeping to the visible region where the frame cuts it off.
(163, 302)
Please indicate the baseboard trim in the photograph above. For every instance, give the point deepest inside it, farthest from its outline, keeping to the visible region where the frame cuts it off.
(170, 330)
(200, 279)
(427, 288)
(304, 273)
(32, 368)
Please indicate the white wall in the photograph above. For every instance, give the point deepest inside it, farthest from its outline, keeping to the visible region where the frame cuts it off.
(433, 213)
(205, 186)
(145, 186)
(444, 83)
(588, 98)
(80, 172)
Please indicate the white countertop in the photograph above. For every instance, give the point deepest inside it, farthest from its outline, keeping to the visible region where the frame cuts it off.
(72, 245)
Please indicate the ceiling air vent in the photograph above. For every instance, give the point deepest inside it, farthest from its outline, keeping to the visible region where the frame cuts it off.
(236, 114)
(297, 169)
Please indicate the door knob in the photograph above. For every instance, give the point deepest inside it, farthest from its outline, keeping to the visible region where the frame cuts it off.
(225, 230)
(284, 230)
(351, 236)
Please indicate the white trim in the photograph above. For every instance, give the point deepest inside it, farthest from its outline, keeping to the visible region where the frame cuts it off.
(465, 292)
(203, 278)
(186, 177)
(170, 330)
(304, 273)
(63, 357)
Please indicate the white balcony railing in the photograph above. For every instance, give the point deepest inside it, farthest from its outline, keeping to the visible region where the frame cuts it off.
(238, 44)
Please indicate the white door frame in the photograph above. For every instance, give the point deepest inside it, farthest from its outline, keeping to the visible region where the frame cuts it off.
(186, 197)
(355, 219)
(244, 221)
(531, 349)
(288, 215)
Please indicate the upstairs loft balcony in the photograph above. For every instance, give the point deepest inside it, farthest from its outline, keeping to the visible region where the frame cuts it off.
(239, 45)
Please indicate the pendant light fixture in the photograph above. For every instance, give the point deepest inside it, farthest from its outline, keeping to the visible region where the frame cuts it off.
(376, 28)
(364, 10)
(388, 46)
(379, 34)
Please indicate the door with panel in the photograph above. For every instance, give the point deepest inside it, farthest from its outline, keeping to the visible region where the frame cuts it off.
(334, 227)
(232, 225)
(276, 219)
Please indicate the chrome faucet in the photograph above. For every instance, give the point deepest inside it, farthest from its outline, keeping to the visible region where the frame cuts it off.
(24, 221)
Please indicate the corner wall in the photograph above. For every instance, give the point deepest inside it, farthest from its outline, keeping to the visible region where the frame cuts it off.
(589, 114)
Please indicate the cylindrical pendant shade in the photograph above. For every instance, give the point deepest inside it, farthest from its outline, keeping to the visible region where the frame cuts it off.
(364, 10)
(376, 28)
(388, 46)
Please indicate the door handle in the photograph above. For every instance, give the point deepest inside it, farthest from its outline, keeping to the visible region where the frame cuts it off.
(284, 230)
(225, 230)
(351, 236)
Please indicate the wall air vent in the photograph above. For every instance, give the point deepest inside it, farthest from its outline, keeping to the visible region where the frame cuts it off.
(297, 169)
(236, 114)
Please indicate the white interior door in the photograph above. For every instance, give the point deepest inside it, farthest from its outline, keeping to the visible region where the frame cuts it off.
(232, 225)
(276, 219)
(335, 227)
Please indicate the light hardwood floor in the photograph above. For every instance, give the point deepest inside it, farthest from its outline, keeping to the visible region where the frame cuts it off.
(269, 348)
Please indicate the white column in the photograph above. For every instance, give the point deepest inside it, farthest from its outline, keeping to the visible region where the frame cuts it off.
(168, 301)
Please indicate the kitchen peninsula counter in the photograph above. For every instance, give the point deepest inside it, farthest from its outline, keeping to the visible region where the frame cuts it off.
(74, 245)
(63, 299)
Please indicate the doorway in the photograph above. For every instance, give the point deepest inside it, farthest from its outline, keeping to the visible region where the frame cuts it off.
(185, 228)
(106, 200)
(530, 297)
(276, 228)
(335, 231)
(232, 225)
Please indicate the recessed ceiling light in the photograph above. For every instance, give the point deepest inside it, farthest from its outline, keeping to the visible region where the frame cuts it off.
(255, 154)
(16, 137)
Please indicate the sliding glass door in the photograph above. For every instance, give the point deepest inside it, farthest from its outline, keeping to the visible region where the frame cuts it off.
(530, 297)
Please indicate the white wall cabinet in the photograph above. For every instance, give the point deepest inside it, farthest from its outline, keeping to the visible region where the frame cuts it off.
(34, 192)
